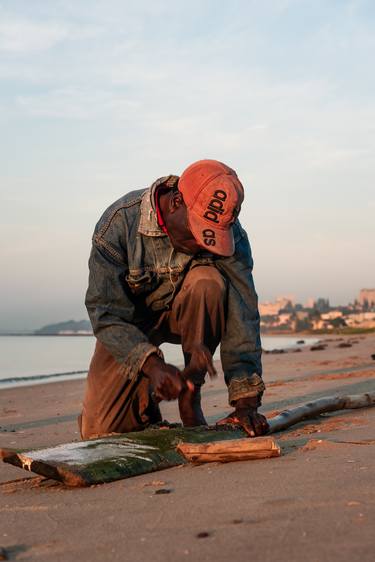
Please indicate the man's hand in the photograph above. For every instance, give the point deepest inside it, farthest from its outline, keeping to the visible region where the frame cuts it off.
(201, 360)
(246, 415)
(166, 379)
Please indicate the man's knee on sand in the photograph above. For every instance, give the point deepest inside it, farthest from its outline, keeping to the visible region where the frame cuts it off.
(115, 405)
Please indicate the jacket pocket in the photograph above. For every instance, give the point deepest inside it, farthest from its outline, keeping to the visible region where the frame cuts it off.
(142, 282)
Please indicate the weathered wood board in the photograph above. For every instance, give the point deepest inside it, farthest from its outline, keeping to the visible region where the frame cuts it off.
(116, 457)
(121, 456)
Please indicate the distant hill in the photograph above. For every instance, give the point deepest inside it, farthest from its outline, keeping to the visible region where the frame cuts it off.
(64, 328)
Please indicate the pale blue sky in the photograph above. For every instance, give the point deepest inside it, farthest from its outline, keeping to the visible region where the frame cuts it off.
(101, 97)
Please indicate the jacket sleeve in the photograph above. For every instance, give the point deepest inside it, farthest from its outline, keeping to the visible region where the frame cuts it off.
(112, 309)
(241, 345)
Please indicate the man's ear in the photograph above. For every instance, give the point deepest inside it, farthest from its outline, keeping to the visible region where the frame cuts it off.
(176, 201)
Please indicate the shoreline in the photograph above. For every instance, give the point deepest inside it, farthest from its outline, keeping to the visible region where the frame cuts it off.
(330, 358)
(345, 331)
(14, 382)
(49, 378)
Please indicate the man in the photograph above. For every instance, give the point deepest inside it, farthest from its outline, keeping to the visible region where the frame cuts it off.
(172, 263)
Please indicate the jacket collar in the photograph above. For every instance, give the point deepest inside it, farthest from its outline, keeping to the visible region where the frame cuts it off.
(148, 223)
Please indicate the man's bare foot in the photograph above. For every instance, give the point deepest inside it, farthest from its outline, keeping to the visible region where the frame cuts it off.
(189, 404)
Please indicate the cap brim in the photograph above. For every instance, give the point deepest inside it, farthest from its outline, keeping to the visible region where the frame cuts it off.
(222, 243)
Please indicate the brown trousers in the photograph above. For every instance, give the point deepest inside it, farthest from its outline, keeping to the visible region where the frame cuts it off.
(113, 404)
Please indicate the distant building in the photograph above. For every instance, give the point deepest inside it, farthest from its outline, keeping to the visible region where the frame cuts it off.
(284, 319)
(361, 320)
(320, 304)
(367, 297)
(285, 315)
(273, 308)
(332, 315)
(310, 303)
(301, 321)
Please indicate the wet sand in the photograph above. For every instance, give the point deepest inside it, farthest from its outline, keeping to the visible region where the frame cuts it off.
(315, 502)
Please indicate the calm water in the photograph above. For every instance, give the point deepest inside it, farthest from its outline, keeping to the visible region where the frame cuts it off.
(36, 359)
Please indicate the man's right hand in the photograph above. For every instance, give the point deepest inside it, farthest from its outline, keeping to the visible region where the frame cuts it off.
(166, 379)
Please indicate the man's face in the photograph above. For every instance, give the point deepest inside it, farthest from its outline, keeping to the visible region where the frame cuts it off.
(176, 221)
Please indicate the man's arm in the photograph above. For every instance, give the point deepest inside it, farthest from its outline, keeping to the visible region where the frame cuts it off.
(241, 345)
(112, 311)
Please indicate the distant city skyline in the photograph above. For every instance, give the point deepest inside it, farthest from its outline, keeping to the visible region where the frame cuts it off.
(266, 307)
(97, 99)
(364, 294)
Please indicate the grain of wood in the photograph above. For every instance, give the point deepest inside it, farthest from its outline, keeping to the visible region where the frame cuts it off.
(230, 450)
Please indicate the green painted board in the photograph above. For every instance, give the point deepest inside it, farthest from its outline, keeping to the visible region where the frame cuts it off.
(116, 457)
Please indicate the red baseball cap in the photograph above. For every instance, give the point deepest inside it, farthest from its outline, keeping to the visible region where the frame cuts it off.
(213, 195)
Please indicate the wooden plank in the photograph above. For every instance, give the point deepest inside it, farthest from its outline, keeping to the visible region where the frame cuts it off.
(232, 450)
(112, 458)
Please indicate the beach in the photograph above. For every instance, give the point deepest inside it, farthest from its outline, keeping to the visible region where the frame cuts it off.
(315, 502)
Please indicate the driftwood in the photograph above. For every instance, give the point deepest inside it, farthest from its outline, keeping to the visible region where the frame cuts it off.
(122, 456)
(321, 406)
(107, 459)
(233, 450)
(263, 447)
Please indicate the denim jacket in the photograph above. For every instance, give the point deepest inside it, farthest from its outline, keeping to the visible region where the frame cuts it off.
(134, 275)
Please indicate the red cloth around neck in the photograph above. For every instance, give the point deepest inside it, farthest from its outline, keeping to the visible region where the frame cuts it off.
(158, 213)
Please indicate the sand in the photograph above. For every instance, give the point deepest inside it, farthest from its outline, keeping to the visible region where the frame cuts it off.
(315, 502)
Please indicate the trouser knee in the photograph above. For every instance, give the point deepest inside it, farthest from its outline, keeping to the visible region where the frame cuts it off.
(206, 282)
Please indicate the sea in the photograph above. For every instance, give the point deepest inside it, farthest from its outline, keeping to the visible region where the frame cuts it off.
(28, 359)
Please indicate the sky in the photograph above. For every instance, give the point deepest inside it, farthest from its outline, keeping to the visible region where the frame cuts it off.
(101, 97)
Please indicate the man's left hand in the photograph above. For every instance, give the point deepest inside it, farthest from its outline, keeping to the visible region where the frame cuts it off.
(246, 415)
